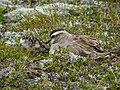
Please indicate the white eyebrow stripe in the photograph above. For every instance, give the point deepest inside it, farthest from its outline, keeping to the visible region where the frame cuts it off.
(58, 32)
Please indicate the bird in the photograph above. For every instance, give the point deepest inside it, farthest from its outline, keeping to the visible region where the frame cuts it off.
(80, 45)
(31, 42)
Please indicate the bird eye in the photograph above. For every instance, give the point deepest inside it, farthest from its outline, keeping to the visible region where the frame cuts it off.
(53, 36)
(27, 37)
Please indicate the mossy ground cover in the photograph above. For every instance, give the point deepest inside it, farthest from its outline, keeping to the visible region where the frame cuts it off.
(100, 21)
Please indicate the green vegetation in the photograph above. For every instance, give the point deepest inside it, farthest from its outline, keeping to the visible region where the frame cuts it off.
(1, 15)
(96, 20)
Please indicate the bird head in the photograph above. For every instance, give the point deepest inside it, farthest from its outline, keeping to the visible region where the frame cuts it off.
(57, 36)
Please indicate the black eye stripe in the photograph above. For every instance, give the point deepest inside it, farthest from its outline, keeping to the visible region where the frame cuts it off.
(53, 36)
(56, 31)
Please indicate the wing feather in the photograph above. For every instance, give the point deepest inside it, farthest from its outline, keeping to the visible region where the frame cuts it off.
(78, 50)
(88, 43)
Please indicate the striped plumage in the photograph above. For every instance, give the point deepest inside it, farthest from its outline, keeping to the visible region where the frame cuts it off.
(32, 42)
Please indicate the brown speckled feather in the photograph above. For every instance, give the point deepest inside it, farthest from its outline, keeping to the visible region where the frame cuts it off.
(90, 43)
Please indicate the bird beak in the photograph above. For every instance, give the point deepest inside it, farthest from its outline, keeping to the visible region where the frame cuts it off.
(48, 41)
